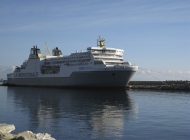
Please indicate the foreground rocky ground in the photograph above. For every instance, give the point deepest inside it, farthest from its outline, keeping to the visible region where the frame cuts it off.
(5, 134)
(161, 85)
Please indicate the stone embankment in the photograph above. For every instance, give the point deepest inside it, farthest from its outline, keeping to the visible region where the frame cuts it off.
(160, 85)
(5, 134)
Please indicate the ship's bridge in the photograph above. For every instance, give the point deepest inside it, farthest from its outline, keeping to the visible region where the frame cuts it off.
(111, 51)
(101, 49)
(107, 55)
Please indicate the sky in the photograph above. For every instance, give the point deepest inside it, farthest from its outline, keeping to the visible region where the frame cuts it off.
(155, 34)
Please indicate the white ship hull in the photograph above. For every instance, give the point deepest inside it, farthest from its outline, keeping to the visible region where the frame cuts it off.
(114, 79)
(98, 67)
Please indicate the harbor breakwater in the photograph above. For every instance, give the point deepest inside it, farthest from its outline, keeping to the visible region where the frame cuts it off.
(156, 85)
(160, 85)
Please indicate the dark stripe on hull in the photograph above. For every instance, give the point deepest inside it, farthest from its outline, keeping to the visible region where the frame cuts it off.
(109, 79)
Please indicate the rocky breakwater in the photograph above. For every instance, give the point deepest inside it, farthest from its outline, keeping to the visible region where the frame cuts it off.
(5, 134)
(161, 85)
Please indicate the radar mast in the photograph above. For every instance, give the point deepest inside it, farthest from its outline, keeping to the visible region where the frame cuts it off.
(100, 42)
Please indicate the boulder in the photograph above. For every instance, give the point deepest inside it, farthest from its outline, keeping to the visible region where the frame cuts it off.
(44, 136)
(6, 128)
(6, 136)
(28, 135)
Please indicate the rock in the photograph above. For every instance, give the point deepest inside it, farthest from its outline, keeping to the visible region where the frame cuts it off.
(6, 136)
(44, 136)
(6, 128)
(26, 135)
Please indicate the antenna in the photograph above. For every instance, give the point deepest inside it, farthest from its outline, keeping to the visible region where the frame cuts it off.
(47, 51)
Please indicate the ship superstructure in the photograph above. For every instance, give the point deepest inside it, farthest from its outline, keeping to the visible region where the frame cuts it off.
(99, 66)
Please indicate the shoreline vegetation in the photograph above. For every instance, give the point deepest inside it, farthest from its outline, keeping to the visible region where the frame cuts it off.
(160, 85)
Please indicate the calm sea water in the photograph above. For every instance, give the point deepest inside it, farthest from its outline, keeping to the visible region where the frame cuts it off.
(97, 114)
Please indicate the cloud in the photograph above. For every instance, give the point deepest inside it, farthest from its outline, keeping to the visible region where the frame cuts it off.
(169, 71)
(4, 70)
(180, 72)
(152, 75)
(149, 71)
(13, 68)
(61, 15)
(187, 72)
(143, 72)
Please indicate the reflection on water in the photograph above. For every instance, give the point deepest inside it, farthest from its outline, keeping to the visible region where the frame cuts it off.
(95, 113)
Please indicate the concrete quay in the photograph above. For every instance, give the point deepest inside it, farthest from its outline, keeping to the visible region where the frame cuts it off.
(160, 85)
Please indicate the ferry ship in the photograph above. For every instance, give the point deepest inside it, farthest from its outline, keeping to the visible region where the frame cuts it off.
(99, 66)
